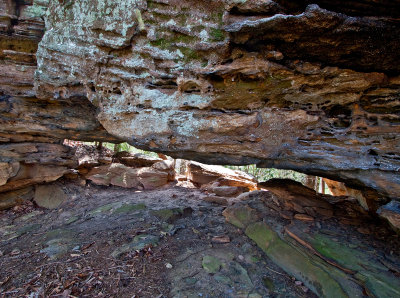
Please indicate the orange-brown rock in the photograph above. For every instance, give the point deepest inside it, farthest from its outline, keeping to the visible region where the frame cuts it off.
(90, 156)
(242, 87)
(303, 217)
(152, 178)
(367, 198)
(218, 176)
(32, 163)
(15, 197)
(391, 212)
(142, 178)
(31, 129)
(136, 160)
(294, 196)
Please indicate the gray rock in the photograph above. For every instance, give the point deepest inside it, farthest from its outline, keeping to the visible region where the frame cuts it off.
(391, 212)
(49, 196)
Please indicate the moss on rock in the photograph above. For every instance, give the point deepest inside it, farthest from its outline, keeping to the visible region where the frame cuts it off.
(292, 261)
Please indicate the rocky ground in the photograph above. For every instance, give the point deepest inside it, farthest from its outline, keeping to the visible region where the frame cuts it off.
(123, 243)
(170, 242)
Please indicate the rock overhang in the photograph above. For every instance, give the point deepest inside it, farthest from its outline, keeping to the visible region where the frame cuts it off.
(233, 82)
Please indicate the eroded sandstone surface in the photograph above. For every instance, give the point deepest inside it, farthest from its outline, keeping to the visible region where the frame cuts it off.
(305, 88)
(311, 86)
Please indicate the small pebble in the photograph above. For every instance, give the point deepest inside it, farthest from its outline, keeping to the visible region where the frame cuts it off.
(305, 289)
(168, 265)
(298, 283)
(240, 257)
(15, 252)
(221, 239)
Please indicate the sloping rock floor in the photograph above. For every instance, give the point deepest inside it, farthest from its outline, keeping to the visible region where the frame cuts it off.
(169, 242)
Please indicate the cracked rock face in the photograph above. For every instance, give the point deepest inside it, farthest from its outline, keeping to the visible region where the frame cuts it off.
(306, 85)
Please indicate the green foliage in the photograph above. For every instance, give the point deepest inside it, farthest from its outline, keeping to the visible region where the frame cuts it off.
(189, 54)
(161, 43)
(217, 34)
(263, 174)
(124, 147)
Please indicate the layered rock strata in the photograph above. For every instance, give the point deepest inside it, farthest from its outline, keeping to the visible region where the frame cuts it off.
(32, 129)
(332, 257)
(310, 86)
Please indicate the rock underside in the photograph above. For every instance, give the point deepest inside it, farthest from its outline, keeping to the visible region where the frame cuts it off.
(312, 86)
(309, 86)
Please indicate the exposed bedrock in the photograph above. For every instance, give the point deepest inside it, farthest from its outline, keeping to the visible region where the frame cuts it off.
(32, 129)
(309, 86)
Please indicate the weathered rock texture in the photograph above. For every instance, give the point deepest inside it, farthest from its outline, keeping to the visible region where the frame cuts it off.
(118, 174)
(32, 129)
(306, 85)
(205, 175)
(331, 264)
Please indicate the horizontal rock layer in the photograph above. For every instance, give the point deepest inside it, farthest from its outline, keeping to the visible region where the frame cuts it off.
(330, 263)
(31, 129)
(25, 164)
(284, 84)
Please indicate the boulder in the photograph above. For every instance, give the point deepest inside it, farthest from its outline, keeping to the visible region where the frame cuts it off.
(34, 174)
(7, 170)
(137, 160)
(117, 174)
(367, 198)
(91, 156)
(12, 198)
(328, 257)
(204, 174)
(294, 196)
(49, 196)
(152, 178)
(241, 215)
(167, 166)
(391, 212)
(33, 163)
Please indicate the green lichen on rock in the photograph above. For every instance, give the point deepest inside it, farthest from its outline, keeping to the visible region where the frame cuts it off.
(268, 283)
(293, 261)
(382, 285)
(36, 10)
(28, 229)
(102, 209)
(217, 34)
(189, 54)
(59, 234)
(211, 264)
(126, 208)
(71, 220)
(161, 43)
(240, 216)
(376, 277)
(223, 279)
(167, 215)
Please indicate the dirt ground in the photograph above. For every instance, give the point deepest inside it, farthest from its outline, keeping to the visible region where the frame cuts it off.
(114, 242)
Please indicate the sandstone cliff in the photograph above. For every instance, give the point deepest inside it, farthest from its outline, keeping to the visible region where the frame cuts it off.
(306, 85)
